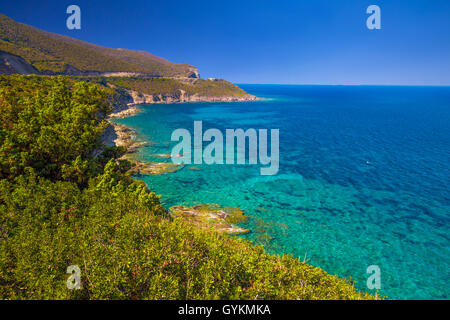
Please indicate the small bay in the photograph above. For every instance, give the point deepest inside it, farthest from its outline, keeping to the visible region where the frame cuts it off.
(363, 179)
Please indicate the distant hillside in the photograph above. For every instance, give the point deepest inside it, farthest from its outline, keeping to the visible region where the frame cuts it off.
(130, 91)
(139, 76)
(62, 206)
(164, 86)
(47, 53)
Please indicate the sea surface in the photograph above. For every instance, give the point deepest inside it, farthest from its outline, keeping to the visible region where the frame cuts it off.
(363, 180)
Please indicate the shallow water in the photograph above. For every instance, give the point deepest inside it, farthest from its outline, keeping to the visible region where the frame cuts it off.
(363, 178)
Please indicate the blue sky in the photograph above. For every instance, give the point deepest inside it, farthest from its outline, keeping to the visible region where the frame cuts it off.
(295, 42)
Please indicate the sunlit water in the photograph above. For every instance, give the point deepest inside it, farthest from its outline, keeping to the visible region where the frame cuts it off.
(364, 178)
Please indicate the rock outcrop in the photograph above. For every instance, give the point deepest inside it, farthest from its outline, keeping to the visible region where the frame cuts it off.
(12, 64)
(212, 216)
(130, 99)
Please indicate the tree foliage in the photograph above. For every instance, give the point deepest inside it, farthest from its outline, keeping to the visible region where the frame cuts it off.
(50, 124)
(59, 206)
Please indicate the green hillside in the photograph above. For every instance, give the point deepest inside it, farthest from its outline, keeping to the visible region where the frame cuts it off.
(61, 206)
(172, 87)
(51, 53)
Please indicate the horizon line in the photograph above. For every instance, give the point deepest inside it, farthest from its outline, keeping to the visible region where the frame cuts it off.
(360, 85)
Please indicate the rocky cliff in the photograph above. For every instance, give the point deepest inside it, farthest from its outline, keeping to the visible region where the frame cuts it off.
(12, 64)
(126, 101)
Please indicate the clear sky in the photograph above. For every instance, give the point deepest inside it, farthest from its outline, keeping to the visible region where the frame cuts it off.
(276, 41)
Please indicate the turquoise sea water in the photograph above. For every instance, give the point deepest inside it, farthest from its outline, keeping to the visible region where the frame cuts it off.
(364, 178)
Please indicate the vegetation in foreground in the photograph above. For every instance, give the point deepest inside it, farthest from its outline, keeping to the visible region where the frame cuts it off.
(53, 53)
(60, 206)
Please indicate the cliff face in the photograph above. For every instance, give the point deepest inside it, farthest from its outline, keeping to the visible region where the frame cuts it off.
(132, 91)
(12, 64)
(125, 102)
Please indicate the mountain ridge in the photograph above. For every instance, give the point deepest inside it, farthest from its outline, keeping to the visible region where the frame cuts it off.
(139, 77)
(50, 54)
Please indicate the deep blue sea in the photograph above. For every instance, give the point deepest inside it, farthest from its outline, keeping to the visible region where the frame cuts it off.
(364, 178)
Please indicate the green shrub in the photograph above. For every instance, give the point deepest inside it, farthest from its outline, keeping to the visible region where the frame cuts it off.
(52, 124)
(59, 206)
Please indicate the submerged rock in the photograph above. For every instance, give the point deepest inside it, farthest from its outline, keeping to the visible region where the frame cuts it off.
(155, 168)
(212, 216)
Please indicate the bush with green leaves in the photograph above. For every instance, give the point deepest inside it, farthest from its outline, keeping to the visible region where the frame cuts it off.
(59, 206)
(118, 234)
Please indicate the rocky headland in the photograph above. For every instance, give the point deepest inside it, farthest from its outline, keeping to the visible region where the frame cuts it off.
(221, 219)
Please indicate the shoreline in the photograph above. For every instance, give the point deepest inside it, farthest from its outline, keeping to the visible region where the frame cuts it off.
(202, 216)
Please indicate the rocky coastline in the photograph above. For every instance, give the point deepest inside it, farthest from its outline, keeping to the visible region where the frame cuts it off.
(202, 216)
